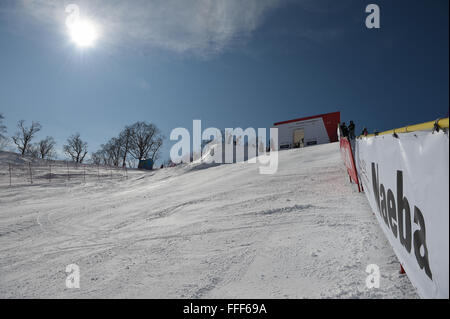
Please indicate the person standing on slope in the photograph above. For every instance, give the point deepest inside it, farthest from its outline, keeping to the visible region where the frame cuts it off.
(365, 132)
(351, 130)
(344, 129)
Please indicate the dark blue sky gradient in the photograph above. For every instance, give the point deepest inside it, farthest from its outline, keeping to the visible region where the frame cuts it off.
(297, 63)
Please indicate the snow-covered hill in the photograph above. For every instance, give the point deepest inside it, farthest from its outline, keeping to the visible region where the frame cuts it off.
(200, 232)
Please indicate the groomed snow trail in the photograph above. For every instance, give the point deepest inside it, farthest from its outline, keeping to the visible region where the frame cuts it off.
(219, 232)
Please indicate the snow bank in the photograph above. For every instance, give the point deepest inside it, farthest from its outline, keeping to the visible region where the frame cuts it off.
(221, 232)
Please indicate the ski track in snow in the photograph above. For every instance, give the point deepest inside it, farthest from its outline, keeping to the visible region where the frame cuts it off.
(196, 232)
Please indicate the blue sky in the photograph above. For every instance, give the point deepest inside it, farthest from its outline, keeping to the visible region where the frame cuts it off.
(229, 63)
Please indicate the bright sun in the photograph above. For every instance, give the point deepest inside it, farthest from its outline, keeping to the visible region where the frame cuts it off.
(83, 33)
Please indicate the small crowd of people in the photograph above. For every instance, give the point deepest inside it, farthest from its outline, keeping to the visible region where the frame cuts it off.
(349, 131)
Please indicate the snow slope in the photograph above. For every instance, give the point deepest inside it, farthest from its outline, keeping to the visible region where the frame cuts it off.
(195, 232)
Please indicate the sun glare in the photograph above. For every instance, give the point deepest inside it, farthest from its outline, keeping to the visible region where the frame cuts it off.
(83, 33)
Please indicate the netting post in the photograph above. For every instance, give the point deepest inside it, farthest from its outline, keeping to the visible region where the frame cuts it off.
(49, 173)
(84, 173)
(98, 171)
(31, 175)
(9, 164)
(67, 163)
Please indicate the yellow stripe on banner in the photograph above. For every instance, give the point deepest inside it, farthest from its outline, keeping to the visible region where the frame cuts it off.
(443, 123)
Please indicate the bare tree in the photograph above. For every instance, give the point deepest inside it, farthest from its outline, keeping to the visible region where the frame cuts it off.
(76, 148)
(140, 140)
(32, 151)
(101, 157)
(125, 143)
(146, 140)
(97, 157)
(155, 150)
(23, 137)
(46, 148)
(113, 150)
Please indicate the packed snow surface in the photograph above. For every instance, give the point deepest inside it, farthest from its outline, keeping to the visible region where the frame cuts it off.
(199, 231)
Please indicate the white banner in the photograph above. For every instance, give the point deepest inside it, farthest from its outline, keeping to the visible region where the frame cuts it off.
(406, 181)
